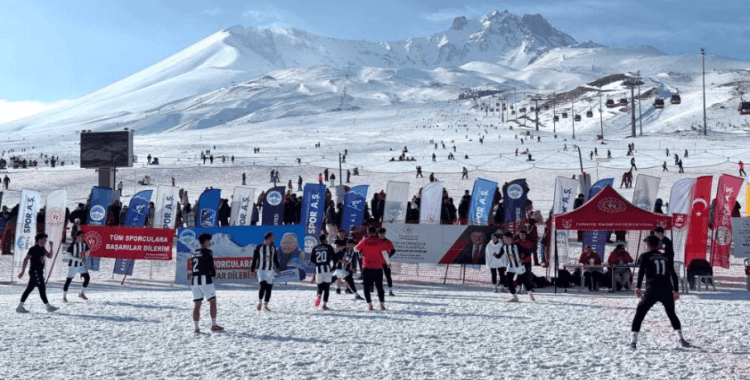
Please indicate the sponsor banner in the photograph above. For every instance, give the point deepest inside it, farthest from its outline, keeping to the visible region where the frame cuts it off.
(313, 213)
(396, 198)
(26, 224)
(515, 201)
(721, 241)
(646, 189)
(562, 247)
(354, 207)
(207, 214)
(597, 239)
(54, 221)
(481, 202)
(741, 237)
(273, 207)
(695, 247)
(135, 217)
(129, 242)
(439, 244)
(99, 202)
(242, 206)
(565, 194)
(165, 207)
(233, 249)
(431, 203)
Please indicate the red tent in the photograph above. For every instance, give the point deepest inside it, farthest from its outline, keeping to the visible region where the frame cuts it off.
(609, 211)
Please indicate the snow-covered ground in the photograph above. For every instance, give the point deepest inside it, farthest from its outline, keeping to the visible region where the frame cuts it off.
(428, 332)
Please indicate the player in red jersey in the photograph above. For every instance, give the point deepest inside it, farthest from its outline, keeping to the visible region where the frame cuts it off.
(374, 257)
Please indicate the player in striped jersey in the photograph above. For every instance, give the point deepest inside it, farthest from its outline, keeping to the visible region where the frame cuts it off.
(203, 272)
(266, 263)
(322, 257)
(77, 253)
(344, 266)
(512, 252)
(339, 245)
(387, 246)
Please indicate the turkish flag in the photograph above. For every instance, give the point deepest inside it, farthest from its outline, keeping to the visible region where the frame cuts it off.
(698, 220)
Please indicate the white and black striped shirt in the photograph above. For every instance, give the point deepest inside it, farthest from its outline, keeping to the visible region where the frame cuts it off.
(265, 258)
(513, 257)
(322, 257)
(76, 252)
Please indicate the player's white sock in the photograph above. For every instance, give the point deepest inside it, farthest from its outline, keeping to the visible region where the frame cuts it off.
(213, 321)
(83, 290)
(324, 303)
(265, 303)
(20, 304)
(635, 337)
(679, 334)
(515, 296)
(196, 324)
(65, 294)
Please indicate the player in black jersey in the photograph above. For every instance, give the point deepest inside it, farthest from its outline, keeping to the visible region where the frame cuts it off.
(665, 245)
(36, 256)
(388, 247)
(339, 245)
(661, 286)
(77, 253)
(344, 267)
(322, 257)
(266, 263)
(203, 272)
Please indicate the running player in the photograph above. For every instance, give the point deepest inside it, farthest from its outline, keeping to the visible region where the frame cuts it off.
(512, 252)
(266, 262)
(322, 257)
(344, 267)
(36, 256)
(339, 245)
(203, 272)
(388, 247)
(373, 259)
(661, 286)
(77, 254)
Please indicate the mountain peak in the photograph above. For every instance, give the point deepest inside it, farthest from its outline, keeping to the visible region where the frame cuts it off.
(459, 23)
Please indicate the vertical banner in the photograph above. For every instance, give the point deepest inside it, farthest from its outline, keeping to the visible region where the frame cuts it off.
(679, 208)
(54, 221)
(695, 247)
(721, 242)
(26, 224)
(1, 198)
(515, 202)
(242, 206)
(207, 214)
(99, 202)
(481, 201)
(135, 217)
(646, 189)
(273, 207)
(354, 207)
(396, 198)
(597, 239)
(747, 200)
(432, 201)
(313, 212)
(165, 207)
(565, 190)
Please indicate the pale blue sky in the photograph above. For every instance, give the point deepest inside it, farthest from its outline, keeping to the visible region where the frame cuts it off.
(52, 50)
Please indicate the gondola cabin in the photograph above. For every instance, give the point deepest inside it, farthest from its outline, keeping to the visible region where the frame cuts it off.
(512, 112)
(623, 102)
(546, 108)
(658, 103)
(578, 118)
(565, 115)
(531, 109)
(589, 114)
(745, 108)
(610, 103)
(676, 99)
(556, 118)
(523, 109)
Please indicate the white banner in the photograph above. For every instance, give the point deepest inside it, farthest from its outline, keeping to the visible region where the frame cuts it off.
(242, 206)
(165, 207)
(396, 197)
(646, 189)
(420, 244)
(741, 237)
(432, 201)
(682, 193)
(26, 224)
(54, 221)
(565, 195)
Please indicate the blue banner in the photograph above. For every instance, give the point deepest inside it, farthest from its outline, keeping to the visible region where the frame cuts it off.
(354, 207)
(481, 202)
(233, 249)
(313, 204)
(207, 214)
(98, 207)
(597, 239)
(136, 217)
(273, 207)
(514, 200)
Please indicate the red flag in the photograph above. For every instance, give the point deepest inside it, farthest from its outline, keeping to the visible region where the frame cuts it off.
(726, 195)
(698, 220)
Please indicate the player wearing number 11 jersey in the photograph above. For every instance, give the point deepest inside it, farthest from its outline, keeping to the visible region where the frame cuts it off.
(661, 286)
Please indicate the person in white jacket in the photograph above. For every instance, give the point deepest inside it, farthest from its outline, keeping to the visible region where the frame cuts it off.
(496, 261)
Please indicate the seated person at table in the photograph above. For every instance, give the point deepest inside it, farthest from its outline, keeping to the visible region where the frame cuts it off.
(622, 276)
(591, 275)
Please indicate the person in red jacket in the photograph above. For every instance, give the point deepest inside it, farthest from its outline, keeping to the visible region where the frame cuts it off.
(592, 274)
(374, 257)
(527, 244)
(742, 169)
(622, 276)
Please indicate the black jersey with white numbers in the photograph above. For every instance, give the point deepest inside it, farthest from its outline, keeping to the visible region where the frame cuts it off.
(202, 264)
(658, 269)
(322, 257)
